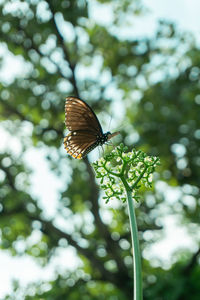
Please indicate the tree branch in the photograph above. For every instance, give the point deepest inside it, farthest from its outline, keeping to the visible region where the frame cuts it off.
(48, 227)
(189, 267)
(22, 117)
(112, 246)
(64, 48)
(186, 273)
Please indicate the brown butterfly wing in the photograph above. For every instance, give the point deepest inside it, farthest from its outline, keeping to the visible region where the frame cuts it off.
(79, 116)
(79, 143)
(84, 128)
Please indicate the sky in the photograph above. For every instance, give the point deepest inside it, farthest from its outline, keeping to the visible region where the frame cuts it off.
(186, 15)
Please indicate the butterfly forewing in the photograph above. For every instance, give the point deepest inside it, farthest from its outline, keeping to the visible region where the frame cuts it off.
(79, 116)
(84, 128)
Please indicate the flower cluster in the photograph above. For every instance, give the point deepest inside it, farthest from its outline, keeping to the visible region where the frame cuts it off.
(122, 171)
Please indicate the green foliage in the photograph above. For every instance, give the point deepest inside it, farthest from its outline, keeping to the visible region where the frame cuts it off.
(157, 81)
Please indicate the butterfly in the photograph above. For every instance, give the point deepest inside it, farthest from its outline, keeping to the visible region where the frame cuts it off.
(85, 130)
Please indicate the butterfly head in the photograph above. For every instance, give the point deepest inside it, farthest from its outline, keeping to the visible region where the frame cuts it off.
(107, 136)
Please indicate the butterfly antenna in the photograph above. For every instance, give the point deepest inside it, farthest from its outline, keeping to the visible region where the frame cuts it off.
(123, 125)
(110, 123)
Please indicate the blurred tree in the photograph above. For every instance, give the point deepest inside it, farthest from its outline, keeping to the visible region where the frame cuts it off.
(157, 80)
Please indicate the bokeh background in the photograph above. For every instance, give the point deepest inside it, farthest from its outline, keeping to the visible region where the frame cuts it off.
(137, 62)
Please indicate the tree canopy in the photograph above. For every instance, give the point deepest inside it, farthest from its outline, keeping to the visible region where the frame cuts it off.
(155, 83)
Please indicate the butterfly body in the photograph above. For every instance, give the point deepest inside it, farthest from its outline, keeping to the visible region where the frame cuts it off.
(85, 130)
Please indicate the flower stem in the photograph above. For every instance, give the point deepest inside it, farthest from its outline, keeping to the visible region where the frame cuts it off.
(136, 250)
(127, 168)
(137, 270)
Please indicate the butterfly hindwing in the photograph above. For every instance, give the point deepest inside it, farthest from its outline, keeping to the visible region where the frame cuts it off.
(79, 143)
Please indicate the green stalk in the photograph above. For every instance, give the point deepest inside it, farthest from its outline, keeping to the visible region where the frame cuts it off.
(137, 270)
(126, 167)
(136, 250)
